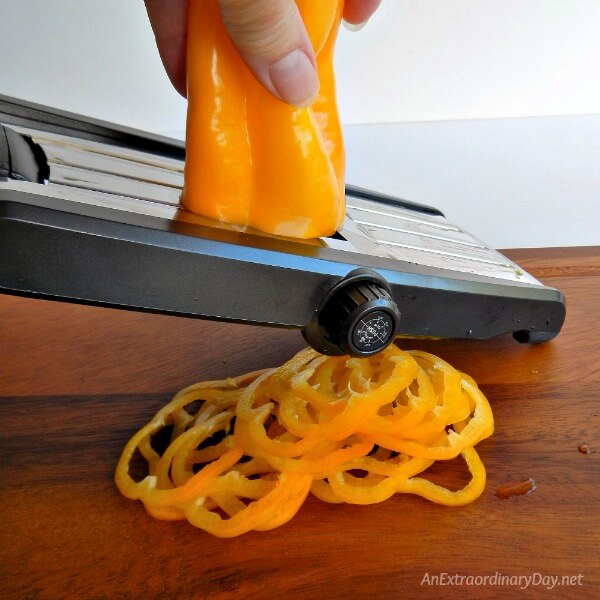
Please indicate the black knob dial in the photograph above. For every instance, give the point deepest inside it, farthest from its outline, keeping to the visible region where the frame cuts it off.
(361, 318)
(358, 317)
(373, 331)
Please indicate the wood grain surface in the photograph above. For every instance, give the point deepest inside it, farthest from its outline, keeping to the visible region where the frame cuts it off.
(77, 381)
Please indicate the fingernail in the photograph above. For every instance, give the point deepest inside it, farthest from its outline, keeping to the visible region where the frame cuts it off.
(295, 79)
(354, 26)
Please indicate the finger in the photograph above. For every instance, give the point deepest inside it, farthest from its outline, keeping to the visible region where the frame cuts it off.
(168, 19)
(358, 12)
(272, 40)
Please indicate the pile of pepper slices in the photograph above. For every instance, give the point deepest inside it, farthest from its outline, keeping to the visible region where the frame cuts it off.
(244, 453)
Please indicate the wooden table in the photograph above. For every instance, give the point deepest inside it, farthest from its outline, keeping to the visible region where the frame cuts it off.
(77, 381)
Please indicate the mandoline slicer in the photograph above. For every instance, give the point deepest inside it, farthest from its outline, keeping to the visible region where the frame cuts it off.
(89, 213)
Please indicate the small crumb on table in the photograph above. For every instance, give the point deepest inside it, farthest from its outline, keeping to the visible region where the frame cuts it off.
(516, 489)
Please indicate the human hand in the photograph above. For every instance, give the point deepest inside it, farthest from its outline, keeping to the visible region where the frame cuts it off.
(269, 35)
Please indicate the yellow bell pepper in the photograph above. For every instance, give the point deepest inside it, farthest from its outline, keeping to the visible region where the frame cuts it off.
(253, 160)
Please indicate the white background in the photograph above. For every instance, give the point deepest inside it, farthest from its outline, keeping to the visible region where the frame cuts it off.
(417, 89)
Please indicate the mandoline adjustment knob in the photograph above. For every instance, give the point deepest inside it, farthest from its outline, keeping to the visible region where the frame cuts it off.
(358, 317)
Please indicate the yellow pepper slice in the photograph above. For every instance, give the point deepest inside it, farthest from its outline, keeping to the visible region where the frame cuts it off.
(244, 453)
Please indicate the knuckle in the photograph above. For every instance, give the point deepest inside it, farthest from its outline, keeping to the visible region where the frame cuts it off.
(264, 29)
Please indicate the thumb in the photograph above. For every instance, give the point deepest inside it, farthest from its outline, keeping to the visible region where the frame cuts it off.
(272, 40)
